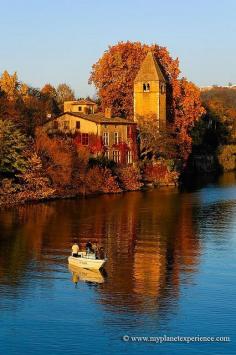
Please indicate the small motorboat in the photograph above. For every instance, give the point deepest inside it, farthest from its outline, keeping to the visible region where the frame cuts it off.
(87, 261)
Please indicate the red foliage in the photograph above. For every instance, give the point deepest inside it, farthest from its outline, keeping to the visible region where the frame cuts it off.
(129, 178)
(95, 144)
(123, 149)
(159, 174)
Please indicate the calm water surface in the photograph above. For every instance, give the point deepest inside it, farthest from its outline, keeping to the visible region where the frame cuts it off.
(171, 270)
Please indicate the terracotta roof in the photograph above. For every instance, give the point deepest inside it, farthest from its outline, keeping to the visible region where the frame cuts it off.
(149, 69)
(99, 118)
(83, 102)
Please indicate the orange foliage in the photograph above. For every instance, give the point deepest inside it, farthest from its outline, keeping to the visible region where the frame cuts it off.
(58, 158)
(114, 74)
(101, 180)
(129, 178)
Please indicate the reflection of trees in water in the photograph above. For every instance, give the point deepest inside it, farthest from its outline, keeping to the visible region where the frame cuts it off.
(22, 231)
(149, 238)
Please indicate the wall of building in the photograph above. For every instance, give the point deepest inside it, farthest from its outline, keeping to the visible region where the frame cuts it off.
(98, 130)
(85, 125)
(111, 129)
(73, 106)
(162, 98)
(146, 103)
(150, 104)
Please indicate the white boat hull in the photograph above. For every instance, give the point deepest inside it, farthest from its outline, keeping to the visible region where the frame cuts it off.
(86, 262)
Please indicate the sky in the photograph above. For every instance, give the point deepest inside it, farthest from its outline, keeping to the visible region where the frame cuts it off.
(49, 41)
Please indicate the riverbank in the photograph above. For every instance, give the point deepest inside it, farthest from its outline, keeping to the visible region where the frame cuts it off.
(94, 180)
(15, 199)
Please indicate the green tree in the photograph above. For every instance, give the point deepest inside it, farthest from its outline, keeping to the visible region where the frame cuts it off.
(209, 133)
(13, 145)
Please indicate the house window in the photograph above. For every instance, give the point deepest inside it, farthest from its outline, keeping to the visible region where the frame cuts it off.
(116, 138)
(66, 125)
(55, 125)
(129, 157)
(84, 138)
(116, 156)
(163, 88)
(77, 124)
(80, 108)
(146, 87)
(106, 138)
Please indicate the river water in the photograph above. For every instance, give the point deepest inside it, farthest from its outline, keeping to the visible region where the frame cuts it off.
(171, 271)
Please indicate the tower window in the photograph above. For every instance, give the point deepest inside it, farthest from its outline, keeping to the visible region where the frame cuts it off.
(163, 88)
(146, 87)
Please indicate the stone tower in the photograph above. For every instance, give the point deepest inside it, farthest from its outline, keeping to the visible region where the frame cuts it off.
(150, 92)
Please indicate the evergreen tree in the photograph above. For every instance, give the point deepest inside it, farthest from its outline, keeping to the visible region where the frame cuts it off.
(12, 149)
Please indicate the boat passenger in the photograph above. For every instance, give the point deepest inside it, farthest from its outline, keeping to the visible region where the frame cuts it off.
(75, 250)
(89, 248)
(95, 248)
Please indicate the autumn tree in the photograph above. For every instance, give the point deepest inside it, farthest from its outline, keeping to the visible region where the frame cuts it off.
(187, 111)
(64, 93)
(222, 103)
(9, 85)
(49, 91)
(49, 100)
(113, 76)
(152, 144)
(58, 157)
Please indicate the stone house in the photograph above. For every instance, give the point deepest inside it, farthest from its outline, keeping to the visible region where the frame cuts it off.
(84, 106)
(116, 136)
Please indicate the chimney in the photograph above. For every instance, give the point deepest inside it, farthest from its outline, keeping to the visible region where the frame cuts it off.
(108, 112)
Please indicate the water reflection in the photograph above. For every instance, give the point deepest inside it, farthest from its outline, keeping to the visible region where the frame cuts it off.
(150, 239)
(94, 276)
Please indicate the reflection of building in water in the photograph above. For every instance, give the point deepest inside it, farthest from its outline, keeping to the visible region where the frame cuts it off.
(163, 241)
(149, 237)
(149, 268)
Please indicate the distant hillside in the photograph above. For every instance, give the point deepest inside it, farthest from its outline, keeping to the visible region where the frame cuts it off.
(226, 96)
(221, 101)
(206, 88)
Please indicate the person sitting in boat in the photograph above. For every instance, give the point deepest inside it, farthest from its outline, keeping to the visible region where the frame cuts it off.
(101, 253)
(75, 250)
(89, 248)
(95, 248)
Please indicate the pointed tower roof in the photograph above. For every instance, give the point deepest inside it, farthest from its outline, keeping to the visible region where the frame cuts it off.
(149, 70)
